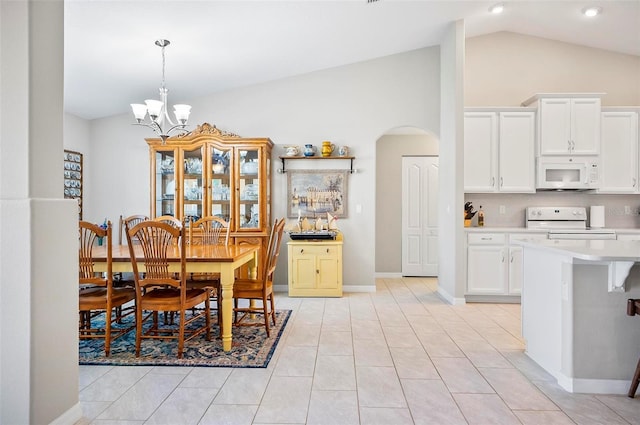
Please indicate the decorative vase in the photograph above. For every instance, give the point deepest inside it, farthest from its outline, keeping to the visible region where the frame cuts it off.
(309, 150)
(327, 148)
(343, 150)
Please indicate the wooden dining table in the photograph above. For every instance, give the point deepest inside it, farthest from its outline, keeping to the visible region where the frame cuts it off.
(223, 259)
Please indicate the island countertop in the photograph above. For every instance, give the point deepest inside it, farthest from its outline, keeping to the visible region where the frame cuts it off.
(589, 250)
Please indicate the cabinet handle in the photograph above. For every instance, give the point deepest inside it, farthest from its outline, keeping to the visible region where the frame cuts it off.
(503, 256)
(317, 271)
(486, 239)
(634, 182)
(493, 181)
(511, 261)
(327, 250)
(501, 182)
(301, 251)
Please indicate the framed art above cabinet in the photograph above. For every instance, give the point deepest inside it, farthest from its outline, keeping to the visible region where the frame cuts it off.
(73, 178)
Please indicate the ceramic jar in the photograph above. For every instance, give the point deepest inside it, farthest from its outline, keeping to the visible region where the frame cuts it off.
(343, 151)
(292, 150)
(309, 150)
(327, 148)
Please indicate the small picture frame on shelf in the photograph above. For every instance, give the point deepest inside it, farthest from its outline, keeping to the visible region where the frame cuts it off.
(313, 193)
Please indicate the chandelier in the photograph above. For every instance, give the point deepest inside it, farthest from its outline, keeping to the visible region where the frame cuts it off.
(159, 118)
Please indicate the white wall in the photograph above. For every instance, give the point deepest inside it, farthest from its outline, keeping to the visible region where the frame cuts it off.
(38, 229)
(351, 105)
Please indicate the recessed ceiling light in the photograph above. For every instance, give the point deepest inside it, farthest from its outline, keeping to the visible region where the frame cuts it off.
(497, 8)
(591, 11)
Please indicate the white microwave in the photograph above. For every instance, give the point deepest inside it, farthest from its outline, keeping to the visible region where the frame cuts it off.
(559, 173)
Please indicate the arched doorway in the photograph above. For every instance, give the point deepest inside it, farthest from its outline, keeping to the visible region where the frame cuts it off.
(390, 148)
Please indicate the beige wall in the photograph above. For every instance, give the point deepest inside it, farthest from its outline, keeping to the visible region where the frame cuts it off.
(389, 152)
(504, 69)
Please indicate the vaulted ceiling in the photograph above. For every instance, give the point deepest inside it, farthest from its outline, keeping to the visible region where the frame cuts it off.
(111, 60)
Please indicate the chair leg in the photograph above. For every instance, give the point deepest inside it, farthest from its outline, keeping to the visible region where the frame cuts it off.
(107, 330)
(265, 311)
(273, 310)
(138, 330)
(181, 333)
(635, 381)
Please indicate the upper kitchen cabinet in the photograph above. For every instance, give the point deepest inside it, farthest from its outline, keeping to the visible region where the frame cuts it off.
(499, 150)
(568, 124)
(619, 157)
(211, 172)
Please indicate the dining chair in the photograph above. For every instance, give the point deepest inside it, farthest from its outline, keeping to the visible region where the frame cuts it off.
(633, 308)
(169, 219)
(208, 230)
(126, 279)
(260, 288)
(160, 290)
(97, 294)
(131, 220)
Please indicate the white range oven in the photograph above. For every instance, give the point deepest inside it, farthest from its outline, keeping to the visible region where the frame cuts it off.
(565, 223)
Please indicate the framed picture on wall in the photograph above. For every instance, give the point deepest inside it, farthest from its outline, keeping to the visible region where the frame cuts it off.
(313, 193)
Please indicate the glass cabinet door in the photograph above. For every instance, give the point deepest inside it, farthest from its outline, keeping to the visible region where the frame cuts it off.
(220, 195)
(192, 185)
(249, 188)
(165, 175)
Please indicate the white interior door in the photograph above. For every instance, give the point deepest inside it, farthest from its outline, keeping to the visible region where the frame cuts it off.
(419, 216)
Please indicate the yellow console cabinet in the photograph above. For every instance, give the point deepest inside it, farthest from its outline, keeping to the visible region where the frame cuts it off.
(315, 268)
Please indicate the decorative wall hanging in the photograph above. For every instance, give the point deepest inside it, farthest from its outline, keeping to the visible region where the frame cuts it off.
(313, 193)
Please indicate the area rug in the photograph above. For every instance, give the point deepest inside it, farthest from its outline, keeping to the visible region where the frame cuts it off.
(251, 348)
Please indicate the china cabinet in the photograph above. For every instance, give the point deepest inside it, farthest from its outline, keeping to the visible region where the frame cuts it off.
(213, 172)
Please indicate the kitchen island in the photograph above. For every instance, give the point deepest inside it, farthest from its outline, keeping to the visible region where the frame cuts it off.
(574, 318)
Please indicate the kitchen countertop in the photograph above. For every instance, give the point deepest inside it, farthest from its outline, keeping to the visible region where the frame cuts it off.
(589, 250)
(525, 230)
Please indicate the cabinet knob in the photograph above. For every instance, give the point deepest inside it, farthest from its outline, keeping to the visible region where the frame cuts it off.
(327, 250)
(301, 251)
(317, 271)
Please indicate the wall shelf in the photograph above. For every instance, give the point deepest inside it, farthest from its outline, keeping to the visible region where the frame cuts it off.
(309, 158)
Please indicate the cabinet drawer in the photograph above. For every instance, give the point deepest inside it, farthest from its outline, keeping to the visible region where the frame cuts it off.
(486, 238)
(313, 250)
(524, 236)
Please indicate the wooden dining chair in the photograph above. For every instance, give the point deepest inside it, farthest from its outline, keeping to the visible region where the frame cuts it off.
(633, 308)
(97, 294)
(169, 219)
(132, 220)
(208, 230)
(126, 279)
(260, 288)
(160, 290)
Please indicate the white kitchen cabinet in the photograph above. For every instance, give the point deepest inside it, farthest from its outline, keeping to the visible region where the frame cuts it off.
(494, 262)
(499, 151)
(619, 157)
(486, 264)
(480, 151)
(568, 125)
(627, 236)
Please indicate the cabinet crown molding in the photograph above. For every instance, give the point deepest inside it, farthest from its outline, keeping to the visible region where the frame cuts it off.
(208, 129)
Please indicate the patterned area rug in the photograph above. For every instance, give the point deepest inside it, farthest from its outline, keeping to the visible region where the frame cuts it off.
(251, 348)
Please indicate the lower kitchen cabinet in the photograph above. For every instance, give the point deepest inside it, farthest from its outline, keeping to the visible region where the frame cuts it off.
(315, 268)
(494, 264)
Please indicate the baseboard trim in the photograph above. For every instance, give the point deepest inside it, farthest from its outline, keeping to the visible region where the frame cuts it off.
(504, 299)
(71, 416)
(385, 275)
(450, 299)
(594, 386)
(345, 288)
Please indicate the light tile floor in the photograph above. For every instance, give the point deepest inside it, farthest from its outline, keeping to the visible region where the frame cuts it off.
(397, 356)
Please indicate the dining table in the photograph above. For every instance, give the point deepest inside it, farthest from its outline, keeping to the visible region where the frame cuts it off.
(223, 259)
